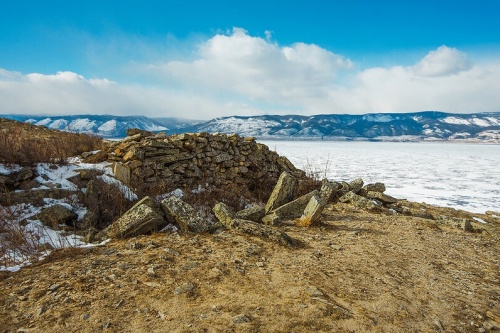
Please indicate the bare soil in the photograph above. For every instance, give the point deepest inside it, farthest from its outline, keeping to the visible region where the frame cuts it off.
(355, 272)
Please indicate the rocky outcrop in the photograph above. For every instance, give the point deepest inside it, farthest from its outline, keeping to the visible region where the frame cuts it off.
(216, 159)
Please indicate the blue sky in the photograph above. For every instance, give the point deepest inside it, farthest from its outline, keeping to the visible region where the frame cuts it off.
(203, 59)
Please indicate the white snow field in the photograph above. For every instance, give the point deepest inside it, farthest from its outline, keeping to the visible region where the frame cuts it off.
(461, 176)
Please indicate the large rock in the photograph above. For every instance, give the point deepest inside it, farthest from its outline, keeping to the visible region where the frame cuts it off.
(184, 215)
(356, 185)
(224, 213)
(122, 173)
(312, 212)
(328, 190)
(359, 201)
(384, 198)
(376, 187)
(282, 193)
(144, 217)
(56, 215)
(254, 213)
(295, 208)
(263, 231)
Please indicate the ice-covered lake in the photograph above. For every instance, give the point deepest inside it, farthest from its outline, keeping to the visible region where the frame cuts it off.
(462, 176)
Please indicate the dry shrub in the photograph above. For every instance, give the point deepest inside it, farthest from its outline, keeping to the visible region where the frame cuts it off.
(26, 144)
(237, 196)
(106, 203)
(16, 244)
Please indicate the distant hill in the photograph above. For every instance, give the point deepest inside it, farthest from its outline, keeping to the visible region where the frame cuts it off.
(417, 126)
(427, 125)
(107, 126)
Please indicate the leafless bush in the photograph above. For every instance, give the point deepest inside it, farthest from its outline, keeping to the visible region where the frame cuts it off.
(106, 203)
(16, 244)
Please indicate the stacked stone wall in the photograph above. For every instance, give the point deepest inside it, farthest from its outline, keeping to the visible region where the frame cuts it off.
(216, 159)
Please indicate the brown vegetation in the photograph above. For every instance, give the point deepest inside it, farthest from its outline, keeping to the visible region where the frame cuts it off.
(26, 144)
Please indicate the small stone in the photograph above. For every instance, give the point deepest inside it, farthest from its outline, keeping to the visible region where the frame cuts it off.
(259, 264)
(241, 319)
(186, 287)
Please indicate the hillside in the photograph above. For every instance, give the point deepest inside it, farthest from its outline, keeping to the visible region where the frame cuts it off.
(106, 126)
(356, 272)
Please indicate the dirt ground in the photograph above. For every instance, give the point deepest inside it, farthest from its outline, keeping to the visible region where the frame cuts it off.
(355, 272)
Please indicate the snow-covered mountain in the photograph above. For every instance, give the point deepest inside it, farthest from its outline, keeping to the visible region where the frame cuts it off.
(103, 125)
(381, 126)
(427, 125)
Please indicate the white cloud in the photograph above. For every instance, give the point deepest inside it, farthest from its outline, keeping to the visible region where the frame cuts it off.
(238, 74)
(442, 62)
(257, 68)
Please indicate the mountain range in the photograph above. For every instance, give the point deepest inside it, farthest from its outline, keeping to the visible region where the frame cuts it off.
(426, 125)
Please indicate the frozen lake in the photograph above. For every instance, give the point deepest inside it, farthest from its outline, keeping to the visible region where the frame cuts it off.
(462, 176)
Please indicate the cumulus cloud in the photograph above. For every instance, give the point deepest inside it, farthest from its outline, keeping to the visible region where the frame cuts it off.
(239, 74)
(257, 68)
(442, 62)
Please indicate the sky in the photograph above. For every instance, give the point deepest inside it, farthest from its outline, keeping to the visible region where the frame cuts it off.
(207, 59)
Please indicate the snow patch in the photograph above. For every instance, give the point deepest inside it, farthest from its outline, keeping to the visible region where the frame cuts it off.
(378, 118)
(108, 126)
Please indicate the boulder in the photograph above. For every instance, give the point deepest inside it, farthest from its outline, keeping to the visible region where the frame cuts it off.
(144, 217)
(328, 190)
(254, 213)
(136, 131)
(183, 215)
(376, 187)
(282, 193)
(312, 212)
(224, 213)
(384, 198)
(295, 208)
(263, 231)
(359, 201)
(56, 215)
(356, 185)
(122, 173)
(271, 219)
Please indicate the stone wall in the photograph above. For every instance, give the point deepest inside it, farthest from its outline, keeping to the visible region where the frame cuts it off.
(217, 159)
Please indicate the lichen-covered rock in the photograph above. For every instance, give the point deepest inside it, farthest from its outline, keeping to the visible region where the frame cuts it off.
(282, 193)
(356, 185)
(263, 231)
(122, 173)
(312, 212)
(328, 190)
(384, 198)
(254, 213)
(359, 201)
(183, 215)
(376, 187)
(271, 219)
(144, 217)
(295, 208)
(224, 213)
(56, 215)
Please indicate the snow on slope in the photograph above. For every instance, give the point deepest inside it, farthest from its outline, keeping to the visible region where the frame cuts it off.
(84, 125)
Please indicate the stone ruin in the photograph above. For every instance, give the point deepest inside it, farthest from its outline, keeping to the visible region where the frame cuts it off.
(261, 221)
(145, 158)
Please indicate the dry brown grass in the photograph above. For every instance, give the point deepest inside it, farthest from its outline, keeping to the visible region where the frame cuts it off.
(26, 144)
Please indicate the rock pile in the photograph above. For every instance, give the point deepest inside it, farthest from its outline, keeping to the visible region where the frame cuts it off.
(216, 159)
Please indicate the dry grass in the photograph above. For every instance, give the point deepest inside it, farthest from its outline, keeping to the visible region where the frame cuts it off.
(26, 144)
